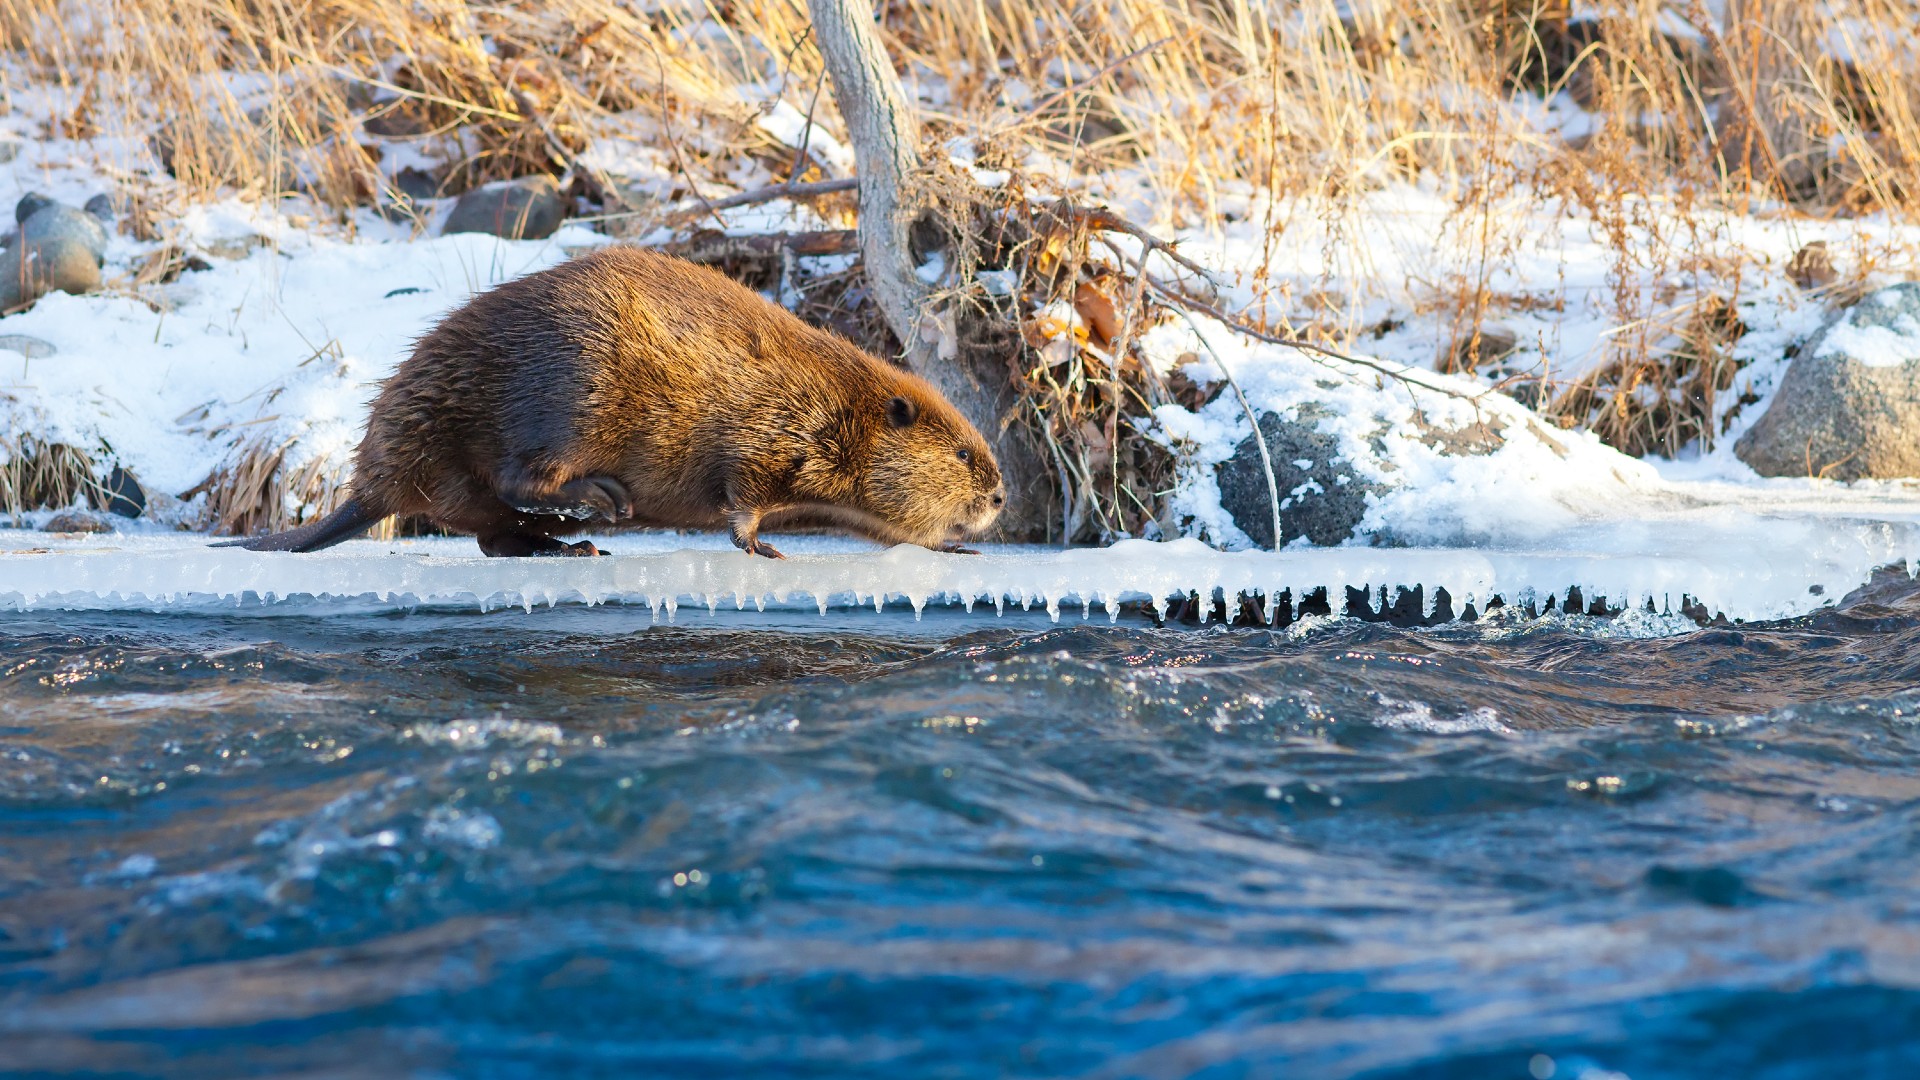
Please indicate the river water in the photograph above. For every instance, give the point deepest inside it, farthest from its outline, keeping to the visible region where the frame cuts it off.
(573, 842)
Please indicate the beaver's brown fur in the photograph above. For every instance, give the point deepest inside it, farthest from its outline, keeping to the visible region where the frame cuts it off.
(626, 387)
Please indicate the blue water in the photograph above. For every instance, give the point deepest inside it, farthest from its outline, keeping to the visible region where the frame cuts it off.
(573, 843)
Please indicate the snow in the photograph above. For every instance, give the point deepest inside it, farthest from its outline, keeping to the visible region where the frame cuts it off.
(282, 346)
(793, 129)
(1536, 484)
(1874, 344)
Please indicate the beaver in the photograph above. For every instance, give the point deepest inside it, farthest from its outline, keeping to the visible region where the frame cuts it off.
(630, 388)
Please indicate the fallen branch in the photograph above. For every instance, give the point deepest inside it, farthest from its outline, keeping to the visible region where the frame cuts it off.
(788, 190)
(714, 247)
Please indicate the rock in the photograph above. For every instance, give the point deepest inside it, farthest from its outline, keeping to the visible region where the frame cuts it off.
(530, 208)
(1812, 267)
(29, 204)
(30, 347)
(77, 521)
(101, 206)
(58, 221)
(30, 270)
(416, 184)
(1495, 343)
(121, 494)
(1849, 406)
(1320, 496)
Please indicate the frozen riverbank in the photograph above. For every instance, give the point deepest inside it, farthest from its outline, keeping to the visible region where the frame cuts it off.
(1747, 552)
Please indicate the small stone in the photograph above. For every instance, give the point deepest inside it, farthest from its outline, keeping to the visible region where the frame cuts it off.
(30, 203)
(1849, 405)
(101, 206)
(530, 208)
(416, 184)
(9, 149)
(77, 521)
(121, 494)
(1467, 354)
(30, 347)
(1812, 267)
(1321, 497)
(29, 271)
(58, 221)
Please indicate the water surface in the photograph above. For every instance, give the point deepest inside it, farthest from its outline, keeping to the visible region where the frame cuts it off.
(572, 842)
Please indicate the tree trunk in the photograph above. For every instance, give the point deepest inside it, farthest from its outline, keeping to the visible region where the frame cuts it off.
(886, 149)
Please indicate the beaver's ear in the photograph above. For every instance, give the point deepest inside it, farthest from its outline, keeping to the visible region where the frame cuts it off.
(901, 412)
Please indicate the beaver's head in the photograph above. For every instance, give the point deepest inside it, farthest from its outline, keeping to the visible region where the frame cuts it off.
(929, 473)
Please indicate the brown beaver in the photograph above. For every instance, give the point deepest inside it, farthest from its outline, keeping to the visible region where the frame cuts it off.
(629, 388)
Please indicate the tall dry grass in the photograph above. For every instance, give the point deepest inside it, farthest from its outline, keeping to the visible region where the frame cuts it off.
(1195, 103)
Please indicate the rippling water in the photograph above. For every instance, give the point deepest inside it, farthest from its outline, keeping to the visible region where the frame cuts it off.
(572, 842)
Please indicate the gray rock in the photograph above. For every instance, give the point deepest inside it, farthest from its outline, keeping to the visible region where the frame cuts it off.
(9, 149)
(416, 184)
(1839, 417)
(78, 521)
(530, 208)
(1322, 500)
(119, 494)
(29, 204)
(57, 222)
(29, 271)
(30, 347)
(101, 206)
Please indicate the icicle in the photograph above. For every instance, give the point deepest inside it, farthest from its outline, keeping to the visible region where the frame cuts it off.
(713, 603)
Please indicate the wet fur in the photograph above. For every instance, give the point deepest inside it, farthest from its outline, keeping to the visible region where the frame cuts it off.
(708, 405)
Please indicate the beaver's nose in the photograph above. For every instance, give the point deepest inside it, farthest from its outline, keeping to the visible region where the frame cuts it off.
(999, 499)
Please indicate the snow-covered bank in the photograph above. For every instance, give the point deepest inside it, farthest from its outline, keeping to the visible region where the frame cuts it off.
(278, 348)
(1733, 553)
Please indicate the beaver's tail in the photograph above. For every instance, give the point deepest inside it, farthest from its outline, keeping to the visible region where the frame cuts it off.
(353, 518)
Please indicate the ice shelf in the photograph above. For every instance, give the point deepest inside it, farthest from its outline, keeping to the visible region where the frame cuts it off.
(1745, 566)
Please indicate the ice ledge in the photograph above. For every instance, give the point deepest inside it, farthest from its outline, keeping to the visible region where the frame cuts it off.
(1787, 568)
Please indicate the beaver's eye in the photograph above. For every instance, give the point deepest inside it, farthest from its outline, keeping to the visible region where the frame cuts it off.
(964, 454)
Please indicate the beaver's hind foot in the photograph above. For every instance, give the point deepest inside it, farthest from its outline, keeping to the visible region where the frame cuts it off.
(512, 545)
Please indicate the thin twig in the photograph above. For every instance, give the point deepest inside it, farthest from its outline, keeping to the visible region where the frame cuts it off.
(1051, 99)
(1259, 437)
(1099, 217)
(1200, 307)
(666, 124)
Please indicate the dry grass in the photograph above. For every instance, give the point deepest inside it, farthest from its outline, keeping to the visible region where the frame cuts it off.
(35, 475)
(1200, 101)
